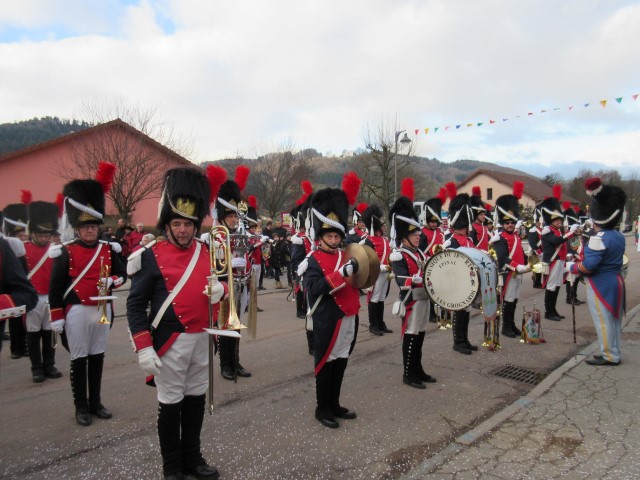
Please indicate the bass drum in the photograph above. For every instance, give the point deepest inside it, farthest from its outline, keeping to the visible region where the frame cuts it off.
(455, 278)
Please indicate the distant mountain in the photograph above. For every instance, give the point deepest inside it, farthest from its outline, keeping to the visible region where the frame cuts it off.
(18, 135)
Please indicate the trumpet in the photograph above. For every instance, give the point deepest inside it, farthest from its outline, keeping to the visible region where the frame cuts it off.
(103, 291)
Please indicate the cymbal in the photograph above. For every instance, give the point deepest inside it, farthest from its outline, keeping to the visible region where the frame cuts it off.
(368, 265)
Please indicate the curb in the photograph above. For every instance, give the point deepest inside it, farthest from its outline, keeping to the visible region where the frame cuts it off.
(466, 439)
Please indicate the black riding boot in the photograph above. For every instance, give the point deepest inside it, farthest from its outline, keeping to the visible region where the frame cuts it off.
(310, 342)
(572, 293)
(96, 363)
(78, 377)
(338, 375)
(301, 311)
(508, 322)
(555, 302)
(240, 370)
(549, 305)
(169, 437)
(373, 319)
(35, 355)
(18, 337)
(422, 375)
(537, 280)
(459, 332)
(324, 393)
(226, 349)
(49, 355)
(381, 325)
(410, 360)
(470, 346)
(191, 422)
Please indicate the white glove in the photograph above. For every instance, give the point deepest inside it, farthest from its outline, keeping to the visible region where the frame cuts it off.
(349, 268)
(217, 290)
(238, 262)
(573, 228)
(495, 237)
(57, 326)
(416, 279)
(149, 361)
(264, 239)
(518, 224)
(206, 238)
(446, 244)
(116, 247)
(523, 268)
(567, 266)
(384, 268)
(106, 281)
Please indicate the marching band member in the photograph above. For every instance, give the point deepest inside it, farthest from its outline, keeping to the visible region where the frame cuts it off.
(81, 270)
(534, 237)
(255, 241)
(373, 218)
(228, 208)
(43, 221)
(14, 225)
(359, 231)
(601, 267)
(510, 255)
(433, 238)
(408, 263)
(15, 288)
(460, 218)
(554, 251)
(172, 347)
(478, 233)
(575, 251)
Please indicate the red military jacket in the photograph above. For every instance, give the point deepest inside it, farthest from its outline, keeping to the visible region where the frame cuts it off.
(41, 278)
(433, 238)
(256, 253)
(382, 247)
(481, 236)
(345, 297)
(515, 251)
(459, 240)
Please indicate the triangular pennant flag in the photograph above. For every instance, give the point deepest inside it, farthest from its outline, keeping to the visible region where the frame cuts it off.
(469, 124)
(417, 132)
(426, 131)
(492, 121)
(505, 119)
(619, 99)
(530, 113)
(586, 105)
(446, 128)
(480, 124)
(603, 103)
(543, 111)
(635, 97)
(435, 129)
(556, 108)
(571, 107)
(458, 126)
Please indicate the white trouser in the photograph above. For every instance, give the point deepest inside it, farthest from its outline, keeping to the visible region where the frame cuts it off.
(608, 327)
(512, 291)
(85, 335)
(40, 317)
(185, 368)
(556, 275)
(418, 319)
(257, 270)
(345, 338)
(380, 288)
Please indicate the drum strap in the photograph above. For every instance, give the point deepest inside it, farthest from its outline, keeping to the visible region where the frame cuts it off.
(433, 240)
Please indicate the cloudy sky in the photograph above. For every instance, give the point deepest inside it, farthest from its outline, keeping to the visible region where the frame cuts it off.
(236, 76)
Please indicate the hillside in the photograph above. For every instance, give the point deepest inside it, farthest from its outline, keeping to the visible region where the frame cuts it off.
(18, 135)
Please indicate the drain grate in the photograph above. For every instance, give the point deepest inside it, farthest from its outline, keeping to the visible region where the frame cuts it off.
(520, 374)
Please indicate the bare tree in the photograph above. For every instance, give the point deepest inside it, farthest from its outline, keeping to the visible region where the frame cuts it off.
(133, 139)
(385, 155)
(552, 179)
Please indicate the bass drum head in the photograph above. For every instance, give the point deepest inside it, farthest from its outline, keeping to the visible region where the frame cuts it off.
(451, 279)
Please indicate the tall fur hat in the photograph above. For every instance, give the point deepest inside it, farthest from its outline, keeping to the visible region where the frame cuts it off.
(476, 203)
(14, 219)
(507, 208)
(358, 211)
(295, 221)
(550, 209)
(186, 194)
(84, 202)
(460, 213)
(228, 200)
(252, 211)
(607, 203)
(304, 213)
(488, 220)
(373, 218)
(433, 210)
(570, 215)
(330, 212)
(43, 217)
(403, 220)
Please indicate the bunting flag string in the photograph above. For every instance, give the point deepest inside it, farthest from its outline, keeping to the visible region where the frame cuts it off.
(433, 130)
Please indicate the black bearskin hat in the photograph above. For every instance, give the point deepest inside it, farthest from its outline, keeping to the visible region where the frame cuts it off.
(506, 208)
(295, 221)
(228, 200)
(304, 214)
(43, 217)
(433, 210)
(570, 215)
(607, 203)
(332, 205)
(84, 202)
(372, 218)
(460, 215)
(403, 219)
(15, 219)
(476, 203)
(252, 212)
(185, 195)
(550, 209)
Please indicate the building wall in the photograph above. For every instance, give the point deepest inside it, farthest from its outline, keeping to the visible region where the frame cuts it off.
(485, 182)
(45, 171)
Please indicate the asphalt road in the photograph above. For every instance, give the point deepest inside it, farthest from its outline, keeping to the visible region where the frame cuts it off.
(263, 427)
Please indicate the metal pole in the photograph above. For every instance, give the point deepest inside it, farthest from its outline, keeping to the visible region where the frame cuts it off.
(395, 169)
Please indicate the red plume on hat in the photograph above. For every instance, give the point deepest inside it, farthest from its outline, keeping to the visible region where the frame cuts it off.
(351, 186)
(518, 189)
(60, 202)
(557, 191)
(566, 205)
(253, 201)
(576, 208)
(242, 175)
(452, 190)
(476, 191)
(407, 188)
(104, 175)
(216, 176)
(307, 188)
(26, 196)
(361, 207)
(442, 194)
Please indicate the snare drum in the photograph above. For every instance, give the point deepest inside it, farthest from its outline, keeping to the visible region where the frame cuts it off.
(454, 278)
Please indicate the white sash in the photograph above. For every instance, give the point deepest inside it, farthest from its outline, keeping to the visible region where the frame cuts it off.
(82, 274)
(38, 265)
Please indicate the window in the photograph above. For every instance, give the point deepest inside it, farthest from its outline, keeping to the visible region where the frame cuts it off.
(489, 193)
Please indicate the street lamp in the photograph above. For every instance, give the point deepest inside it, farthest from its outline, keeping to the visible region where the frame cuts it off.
(404, 141)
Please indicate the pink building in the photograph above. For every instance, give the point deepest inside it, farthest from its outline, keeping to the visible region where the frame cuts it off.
(45, 168)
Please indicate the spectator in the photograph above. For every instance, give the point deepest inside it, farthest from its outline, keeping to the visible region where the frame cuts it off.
(267, 230)
(279, 252)
(280, 230)
(136, 236)
(128, 230)
(108, 235)
(120, 231)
